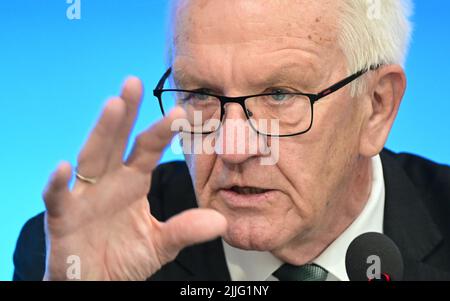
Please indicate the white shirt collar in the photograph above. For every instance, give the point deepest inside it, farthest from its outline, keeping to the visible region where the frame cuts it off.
(258, 266)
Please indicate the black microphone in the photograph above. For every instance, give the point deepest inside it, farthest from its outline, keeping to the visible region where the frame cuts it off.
(373, 257)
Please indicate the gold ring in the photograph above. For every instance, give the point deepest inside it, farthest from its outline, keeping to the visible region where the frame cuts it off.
(89, 180)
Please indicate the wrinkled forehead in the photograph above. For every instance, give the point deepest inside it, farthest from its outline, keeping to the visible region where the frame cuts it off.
(251, 21)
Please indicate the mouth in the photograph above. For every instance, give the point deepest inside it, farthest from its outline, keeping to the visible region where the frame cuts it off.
(246, 196)
(248, 190)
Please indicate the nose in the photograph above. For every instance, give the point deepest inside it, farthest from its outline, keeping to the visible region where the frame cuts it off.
(237, 141)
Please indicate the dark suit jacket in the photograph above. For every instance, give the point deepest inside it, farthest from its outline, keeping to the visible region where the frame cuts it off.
(417, 219)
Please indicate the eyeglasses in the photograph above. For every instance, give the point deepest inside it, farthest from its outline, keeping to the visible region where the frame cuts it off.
(293, 112)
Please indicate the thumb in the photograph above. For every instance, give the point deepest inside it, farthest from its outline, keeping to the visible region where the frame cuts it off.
(188, 228)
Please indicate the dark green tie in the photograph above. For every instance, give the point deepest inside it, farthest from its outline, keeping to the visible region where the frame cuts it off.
(307, 272)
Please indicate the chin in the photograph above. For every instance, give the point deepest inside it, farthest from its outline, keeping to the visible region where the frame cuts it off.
(253, 234)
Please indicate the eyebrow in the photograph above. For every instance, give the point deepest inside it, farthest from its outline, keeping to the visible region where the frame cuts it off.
(185, 79)
(289, 74)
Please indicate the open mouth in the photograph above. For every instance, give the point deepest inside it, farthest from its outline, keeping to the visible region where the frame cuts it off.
(246, 196)
(248, 190)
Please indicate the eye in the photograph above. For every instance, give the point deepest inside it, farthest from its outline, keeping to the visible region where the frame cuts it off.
(195, 95)
(198, 96)
(279, 94)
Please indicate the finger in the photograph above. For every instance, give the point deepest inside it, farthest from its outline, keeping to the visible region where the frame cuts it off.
(188, 228)
(132, 92)
(150, 144)
(94, 156)
(57, 194)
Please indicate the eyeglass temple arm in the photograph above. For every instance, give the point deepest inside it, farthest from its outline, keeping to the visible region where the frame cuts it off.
(344, 82)
(161, 82)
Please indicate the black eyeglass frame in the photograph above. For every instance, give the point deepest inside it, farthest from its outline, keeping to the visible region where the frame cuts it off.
(313, 98)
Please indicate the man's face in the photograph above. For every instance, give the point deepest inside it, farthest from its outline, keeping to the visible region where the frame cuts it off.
(237, 48)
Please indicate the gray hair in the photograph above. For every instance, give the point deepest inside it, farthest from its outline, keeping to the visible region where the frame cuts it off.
(372, 32)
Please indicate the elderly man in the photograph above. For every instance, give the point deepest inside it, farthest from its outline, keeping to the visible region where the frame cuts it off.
(330, 74)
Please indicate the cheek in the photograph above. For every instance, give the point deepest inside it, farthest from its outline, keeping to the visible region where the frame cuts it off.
(324, 154)
(315, 162)
(301, 168)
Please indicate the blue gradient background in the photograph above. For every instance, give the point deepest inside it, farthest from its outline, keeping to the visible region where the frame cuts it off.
(55, 75)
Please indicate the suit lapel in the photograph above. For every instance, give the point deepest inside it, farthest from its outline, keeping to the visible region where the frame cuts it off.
(205, 261)
(408, 223)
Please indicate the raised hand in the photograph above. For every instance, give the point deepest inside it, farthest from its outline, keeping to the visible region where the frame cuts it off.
(105, 219)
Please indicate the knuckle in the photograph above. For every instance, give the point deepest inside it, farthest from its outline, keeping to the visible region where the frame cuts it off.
(141, 141)
(82, 157)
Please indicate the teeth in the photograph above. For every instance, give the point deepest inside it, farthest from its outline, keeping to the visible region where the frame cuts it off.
(248, 190)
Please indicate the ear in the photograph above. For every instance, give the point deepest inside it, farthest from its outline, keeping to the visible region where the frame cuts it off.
(385, 93)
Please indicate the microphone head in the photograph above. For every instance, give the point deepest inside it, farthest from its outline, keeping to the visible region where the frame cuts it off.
(373, 256)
